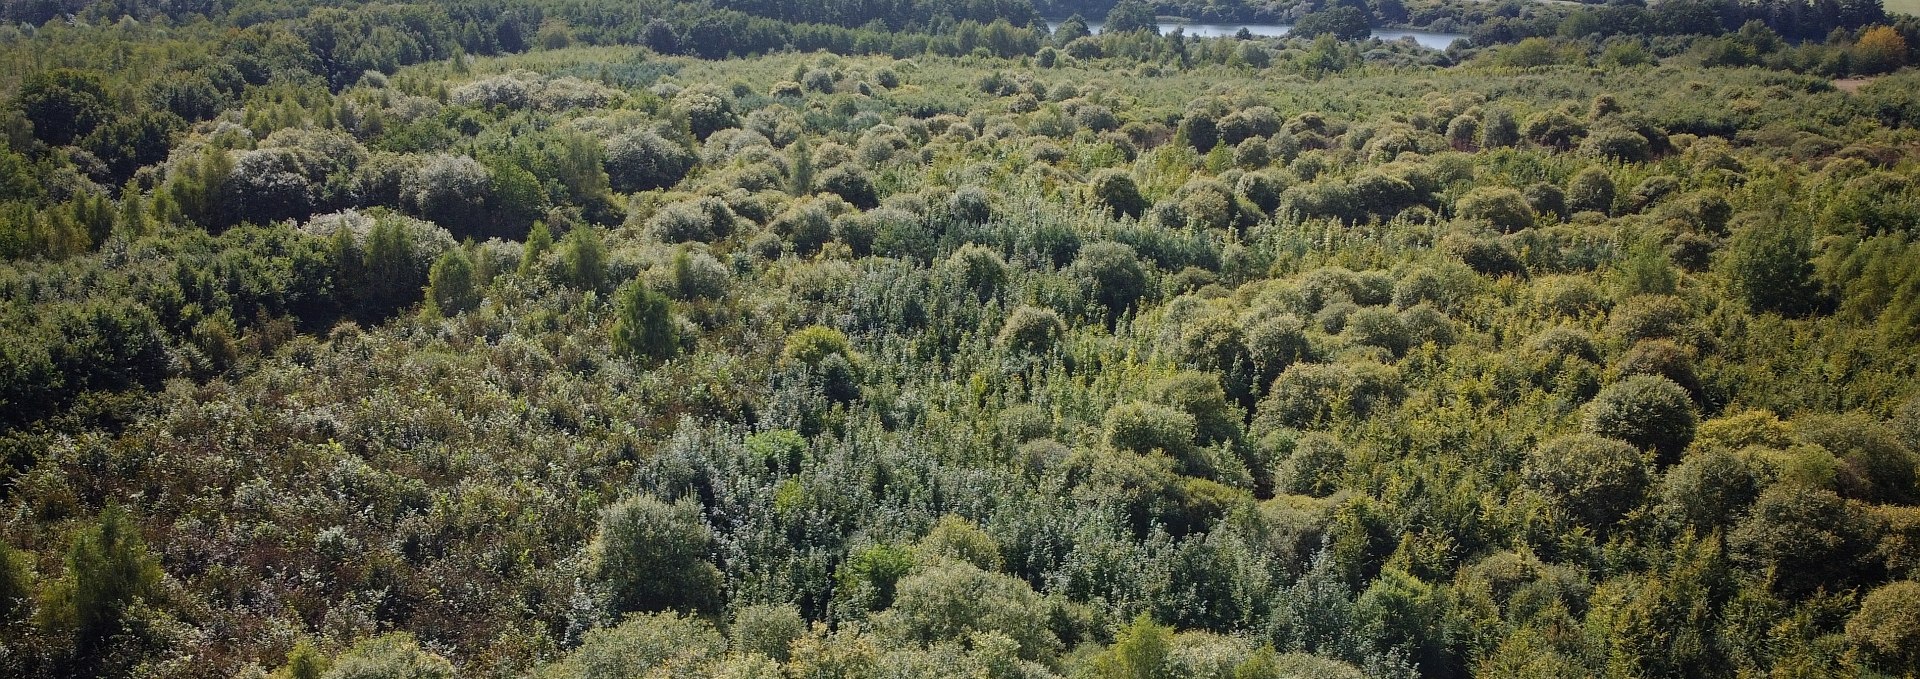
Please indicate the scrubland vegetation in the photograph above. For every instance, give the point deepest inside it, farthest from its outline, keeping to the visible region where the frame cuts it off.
(494, 339)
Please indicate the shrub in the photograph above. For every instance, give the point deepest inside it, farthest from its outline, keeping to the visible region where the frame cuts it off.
(976, 269)
(451, 288)
(651, 645)
(1307, 394)
(706, 219)
(643, 326)
(956, 538)
(109, 574)
(1200, 396)
(1887, 626)
(1596, 480)
(643, 161)
(1115, 191)
(1663, 358)
(1710, 490)
(1875, 465)
(1032, 330)
(1141, 427)
(1591, 190)
(1112, 276)
(1313, 468)
(767, 629)
(1617, 144)
(852, 185)
(1378, 327)
(389, 656)
(813, 344)
(970, 204)
(952, 600)
(1645, 317)
(1505, 208)
(1806, 537)
(652, 556)
(1648, 411)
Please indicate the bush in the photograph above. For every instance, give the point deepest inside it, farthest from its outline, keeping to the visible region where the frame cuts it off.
(643, 325)
(852, 185)
(976, 269)
(1199, 395)
(1115, 191)
(811, 345)
(1617, 144)
(1596, 480)
(1644, 317)
(1112, 276)
(646, 645)
(1807, 538)
(1663, 358)
(1710, 490)
(389, 656)
(109, 574)
(1648, 411)
(970, 204)
(1031, 329)
(1314, 468)
(1505, 208)
(1143, 428)
(1875, 465)
(1769, 265)
(1307, 394)
(1378, 327)
(767, 629)
(957, 538)
(706, 220)
(643, 161)
(1887, 626)
(652, 556)
(951, 600)
(451, 288)
(1591, 190)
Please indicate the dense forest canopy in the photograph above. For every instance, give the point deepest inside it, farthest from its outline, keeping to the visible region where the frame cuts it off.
(507, 338)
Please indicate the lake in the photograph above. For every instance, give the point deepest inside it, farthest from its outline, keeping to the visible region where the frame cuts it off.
(1427, 39)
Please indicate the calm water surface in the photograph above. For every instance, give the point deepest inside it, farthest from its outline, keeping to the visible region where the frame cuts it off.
(1427, 39)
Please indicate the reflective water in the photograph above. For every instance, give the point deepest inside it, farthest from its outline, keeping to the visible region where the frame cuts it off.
(1427, 39)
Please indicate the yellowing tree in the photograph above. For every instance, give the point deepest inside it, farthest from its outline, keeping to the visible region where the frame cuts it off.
(1880, 49)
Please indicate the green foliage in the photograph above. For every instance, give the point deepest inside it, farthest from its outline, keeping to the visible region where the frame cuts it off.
(394, 655)
(1769, 266)
(1596, 480)
(643, 324)
(644, 644)
(642, 160)
(1140, 651)
(950, 600)
(652, 556)
(1112, 276)
(1504, 208)
(1648, 411)
(64, 104)
(1887, 626)
(1032, 330)
(110, 572)
(451, 285)
(583, 259)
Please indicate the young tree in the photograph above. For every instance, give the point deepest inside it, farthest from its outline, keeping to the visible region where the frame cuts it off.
(643, 325)
(451, 288)
(652, 556)
(583, 259)
(108, 572)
